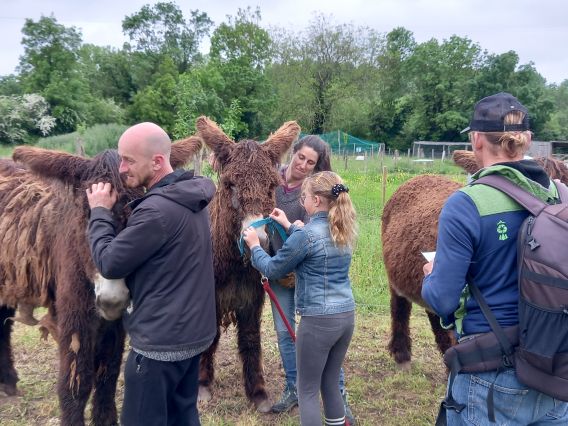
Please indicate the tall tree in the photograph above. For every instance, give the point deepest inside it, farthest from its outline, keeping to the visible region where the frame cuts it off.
(197, 94)
(556, 128)
(108, 73)
(162, 30)
(503, 73)
(156, 102)
(10, 85)
(240, 51)
(333, 51)
(322, 74)
(531, 91)
(392, 103)
(442, 78)
(49, 48)
(497, 74)
(49, 67)
(290, 79)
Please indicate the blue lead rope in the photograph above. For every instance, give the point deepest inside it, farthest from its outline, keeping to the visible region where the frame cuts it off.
(273, 227)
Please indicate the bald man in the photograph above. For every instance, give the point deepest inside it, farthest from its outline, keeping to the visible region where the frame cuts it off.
(165, 255)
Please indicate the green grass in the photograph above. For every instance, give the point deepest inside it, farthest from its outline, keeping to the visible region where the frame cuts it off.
(405, 165)
(6, 151)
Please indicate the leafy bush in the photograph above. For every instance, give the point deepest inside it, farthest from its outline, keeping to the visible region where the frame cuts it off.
(103, 111)
(24, 118)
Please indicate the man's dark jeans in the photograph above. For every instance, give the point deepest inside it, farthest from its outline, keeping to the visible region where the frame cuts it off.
(159, 392)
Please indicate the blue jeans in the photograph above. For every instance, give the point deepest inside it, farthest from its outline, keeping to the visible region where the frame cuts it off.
(515, 403)
(286, 345)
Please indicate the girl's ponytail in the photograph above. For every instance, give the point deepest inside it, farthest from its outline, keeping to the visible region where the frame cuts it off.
(341, 216)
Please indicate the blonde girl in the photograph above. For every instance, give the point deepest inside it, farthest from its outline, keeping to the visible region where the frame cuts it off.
(320, 255)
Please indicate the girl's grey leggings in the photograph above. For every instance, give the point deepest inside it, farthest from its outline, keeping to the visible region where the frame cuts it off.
(320, 349)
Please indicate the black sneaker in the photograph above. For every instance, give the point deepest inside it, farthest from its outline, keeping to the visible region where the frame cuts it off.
(348, 413)
(288, 401)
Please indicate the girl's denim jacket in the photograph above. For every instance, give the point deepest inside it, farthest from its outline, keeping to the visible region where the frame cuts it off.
(322, 270)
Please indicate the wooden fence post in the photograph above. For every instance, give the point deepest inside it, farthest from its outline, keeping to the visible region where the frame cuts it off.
(384, 185)
(79, 146)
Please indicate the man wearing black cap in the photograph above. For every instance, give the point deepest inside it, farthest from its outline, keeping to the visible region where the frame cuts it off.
(477, 238)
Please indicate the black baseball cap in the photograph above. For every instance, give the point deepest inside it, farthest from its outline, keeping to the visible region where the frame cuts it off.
(489, 114)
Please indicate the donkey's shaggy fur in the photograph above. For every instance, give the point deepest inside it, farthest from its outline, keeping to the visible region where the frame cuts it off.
(409, 226)
(46, 261)
(247, 180)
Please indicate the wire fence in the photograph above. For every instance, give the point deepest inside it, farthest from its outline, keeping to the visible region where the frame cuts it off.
(342, 143)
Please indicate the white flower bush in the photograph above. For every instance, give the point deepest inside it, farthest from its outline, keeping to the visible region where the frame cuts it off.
(22, 118)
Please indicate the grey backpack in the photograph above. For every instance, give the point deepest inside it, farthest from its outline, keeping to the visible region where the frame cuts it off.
(541, 358)
(538, 346)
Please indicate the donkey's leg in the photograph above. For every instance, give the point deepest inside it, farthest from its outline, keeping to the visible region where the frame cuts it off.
(108, 357)
(443, 337)
(8, 375)
(400, 345)
(77, 323)
(207, 369)
(250, 351)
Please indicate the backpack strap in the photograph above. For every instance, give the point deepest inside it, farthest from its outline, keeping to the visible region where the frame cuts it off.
(533, 204)
(524, 198)
(563, 194)
(562, 190)
(506, 346)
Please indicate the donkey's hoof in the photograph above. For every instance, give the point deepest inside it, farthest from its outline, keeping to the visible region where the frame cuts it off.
(404, 366)
(10, 390)
(264, 406)
(204, 394)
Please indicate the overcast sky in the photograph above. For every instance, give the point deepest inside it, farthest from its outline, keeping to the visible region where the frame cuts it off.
(536, 29)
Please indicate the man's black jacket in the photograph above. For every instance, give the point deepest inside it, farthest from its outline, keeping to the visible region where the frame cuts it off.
(165, 255)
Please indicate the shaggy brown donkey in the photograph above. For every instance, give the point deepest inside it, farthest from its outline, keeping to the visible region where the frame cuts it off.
(45, 261)
(247, 180)
(409, 226)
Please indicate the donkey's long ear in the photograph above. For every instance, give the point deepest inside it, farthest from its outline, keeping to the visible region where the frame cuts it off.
(215, 139)
(466, 160)
(280, 141)
(184, 150)
(53, 164)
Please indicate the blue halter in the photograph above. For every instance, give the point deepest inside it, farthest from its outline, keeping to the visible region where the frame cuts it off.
(273, 227)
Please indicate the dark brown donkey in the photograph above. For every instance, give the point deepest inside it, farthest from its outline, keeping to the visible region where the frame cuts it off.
(45, 260)
(247, 180)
